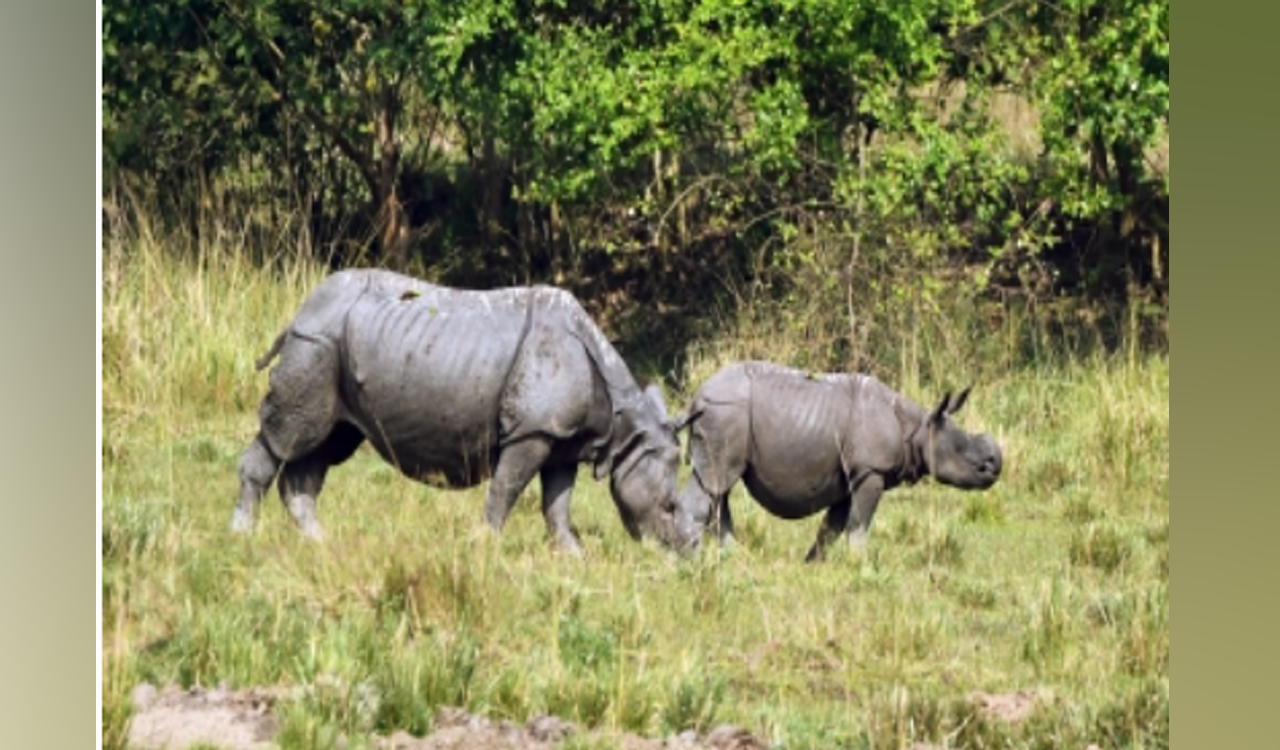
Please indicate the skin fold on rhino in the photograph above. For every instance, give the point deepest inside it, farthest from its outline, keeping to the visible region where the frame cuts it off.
(456, 387)
(804, 443)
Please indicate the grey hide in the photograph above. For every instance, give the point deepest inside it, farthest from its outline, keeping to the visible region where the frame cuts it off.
(804, 443)
(456, 387)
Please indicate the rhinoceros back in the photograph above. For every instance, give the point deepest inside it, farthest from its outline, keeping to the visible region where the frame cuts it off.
(799, 430)
(423, 375)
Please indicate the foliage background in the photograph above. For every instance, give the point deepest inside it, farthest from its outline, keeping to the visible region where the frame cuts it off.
(843, 168)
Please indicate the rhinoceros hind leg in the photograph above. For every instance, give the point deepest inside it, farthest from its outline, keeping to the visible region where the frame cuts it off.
(303, 509)
(516, 467)
(300, 484)
(302, 480)
(296, 419)
(257, 470)
(833, 525)
(851, 516)
(557, 490)
(300, 411)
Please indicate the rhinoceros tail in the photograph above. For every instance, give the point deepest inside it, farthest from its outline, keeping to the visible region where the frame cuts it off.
(265, 359)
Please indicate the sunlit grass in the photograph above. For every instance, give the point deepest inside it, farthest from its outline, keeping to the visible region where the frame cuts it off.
(1056, 579)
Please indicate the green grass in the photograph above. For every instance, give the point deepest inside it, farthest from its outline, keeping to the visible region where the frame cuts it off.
(1056, 579)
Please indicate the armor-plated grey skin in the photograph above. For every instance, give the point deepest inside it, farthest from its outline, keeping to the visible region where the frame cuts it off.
(804, 443)
(454, 387)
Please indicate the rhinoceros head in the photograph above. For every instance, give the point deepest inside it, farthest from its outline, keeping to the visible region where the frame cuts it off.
(642, 462)
(955, 457)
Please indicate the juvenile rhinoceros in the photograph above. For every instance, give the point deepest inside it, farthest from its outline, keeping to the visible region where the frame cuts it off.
(804, 443)
(454, 387)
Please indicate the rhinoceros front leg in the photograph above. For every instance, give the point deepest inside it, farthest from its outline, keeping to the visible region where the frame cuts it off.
(866, 498)
(517, 465)
(557, 490)
(717, 517)
(718, 451)
(723, 521)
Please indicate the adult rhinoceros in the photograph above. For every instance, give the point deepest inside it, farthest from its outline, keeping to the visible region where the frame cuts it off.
(804, 443)
(454, 387)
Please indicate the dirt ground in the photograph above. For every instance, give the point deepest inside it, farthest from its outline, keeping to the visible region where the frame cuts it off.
(175, 719)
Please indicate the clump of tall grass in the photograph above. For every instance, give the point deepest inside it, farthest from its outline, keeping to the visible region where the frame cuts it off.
(1101, 546)
(184, 317)
(118, 681)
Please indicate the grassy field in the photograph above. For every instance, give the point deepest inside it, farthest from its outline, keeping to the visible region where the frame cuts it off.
(1057, 580)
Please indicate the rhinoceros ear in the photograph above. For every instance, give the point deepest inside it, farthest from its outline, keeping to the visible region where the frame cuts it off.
(941, 409)
(619, 455)
(654, 395)
(959, 401)
(683, 422)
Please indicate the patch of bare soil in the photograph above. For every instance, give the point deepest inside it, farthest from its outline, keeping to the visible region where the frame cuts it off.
(175, 719)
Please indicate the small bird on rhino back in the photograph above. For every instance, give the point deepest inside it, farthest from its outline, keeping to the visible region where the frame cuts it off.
(803, 443)
(454, 387)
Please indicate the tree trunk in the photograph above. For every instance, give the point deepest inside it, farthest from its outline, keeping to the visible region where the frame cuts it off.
(492, 200)
(554, 222)
(394, 237)
(1098, 159)
(391, 218)
(682, 211)
(855, 350)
